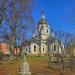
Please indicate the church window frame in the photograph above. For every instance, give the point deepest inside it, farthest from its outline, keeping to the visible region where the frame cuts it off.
(54, 47)
(34, 47)
(43, 49)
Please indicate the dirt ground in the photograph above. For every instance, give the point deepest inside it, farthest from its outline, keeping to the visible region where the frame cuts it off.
(36, 68)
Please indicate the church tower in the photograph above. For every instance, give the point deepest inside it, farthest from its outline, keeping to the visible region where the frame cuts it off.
(43, 27)
(44, 33)
(38, 43)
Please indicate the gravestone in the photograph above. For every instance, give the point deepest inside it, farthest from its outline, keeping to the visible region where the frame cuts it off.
(24, 69)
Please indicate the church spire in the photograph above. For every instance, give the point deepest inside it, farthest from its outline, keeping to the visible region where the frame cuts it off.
(42, 14)
(42, 19)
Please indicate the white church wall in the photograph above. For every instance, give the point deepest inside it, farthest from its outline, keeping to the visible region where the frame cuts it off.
(44, 48)
(56, 48)
(36, 50)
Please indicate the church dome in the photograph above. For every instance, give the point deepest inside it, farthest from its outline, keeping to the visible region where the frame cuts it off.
(42, 21)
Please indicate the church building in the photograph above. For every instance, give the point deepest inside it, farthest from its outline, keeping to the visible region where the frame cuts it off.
(38, 43)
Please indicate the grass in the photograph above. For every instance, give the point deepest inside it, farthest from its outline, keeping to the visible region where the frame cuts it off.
(12, 66)
(37, 58)
(37, 64)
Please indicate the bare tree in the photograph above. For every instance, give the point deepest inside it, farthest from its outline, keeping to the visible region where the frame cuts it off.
(18, 21)
(50, 40)
(65, 39)
(2, 11)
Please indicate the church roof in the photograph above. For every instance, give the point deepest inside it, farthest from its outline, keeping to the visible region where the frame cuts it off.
(34, 40)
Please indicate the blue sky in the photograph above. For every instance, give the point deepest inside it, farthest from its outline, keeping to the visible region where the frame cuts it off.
(58, 13)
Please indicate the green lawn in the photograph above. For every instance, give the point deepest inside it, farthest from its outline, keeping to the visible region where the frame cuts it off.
(37, 64)
(12, 66)
(33, 58)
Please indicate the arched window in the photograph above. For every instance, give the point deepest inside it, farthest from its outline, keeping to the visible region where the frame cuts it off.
(34, 47)
(43, 49)
(54, 47)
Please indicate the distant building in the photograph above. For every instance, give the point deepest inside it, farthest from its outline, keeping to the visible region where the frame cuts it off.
(17, 51)
(38, 43)
(4, 47)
